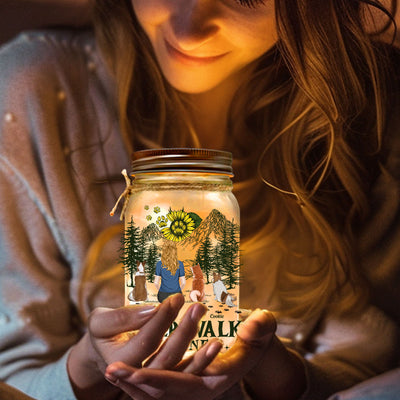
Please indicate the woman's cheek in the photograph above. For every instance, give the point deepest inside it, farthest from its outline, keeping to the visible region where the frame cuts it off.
(151, 12)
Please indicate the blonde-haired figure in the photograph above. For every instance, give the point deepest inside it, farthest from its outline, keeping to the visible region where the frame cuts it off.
(170, 272)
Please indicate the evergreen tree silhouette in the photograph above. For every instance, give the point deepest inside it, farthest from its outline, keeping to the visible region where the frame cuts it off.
(204, 257)
(151, 261)
(142, 247)
(130, 250)
(216, 258)
(198, 259)
(228, 255)
(233, 254)
(223, 255)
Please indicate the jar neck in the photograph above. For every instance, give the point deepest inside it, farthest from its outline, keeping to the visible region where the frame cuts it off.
(182, 180)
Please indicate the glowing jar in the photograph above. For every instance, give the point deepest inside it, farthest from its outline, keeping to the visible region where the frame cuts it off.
(182, 235)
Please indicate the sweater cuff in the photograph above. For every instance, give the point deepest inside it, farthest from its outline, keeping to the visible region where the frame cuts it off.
(46, 383)
(317, 386)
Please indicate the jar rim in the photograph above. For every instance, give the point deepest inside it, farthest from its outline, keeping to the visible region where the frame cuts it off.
(198, 160)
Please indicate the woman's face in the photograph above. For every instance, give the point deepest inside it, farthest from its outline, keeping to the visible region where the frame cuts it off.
(202, 43)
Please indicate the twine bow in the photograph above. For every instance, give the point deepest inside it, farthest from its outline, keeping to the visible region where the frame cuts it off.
(126, 193)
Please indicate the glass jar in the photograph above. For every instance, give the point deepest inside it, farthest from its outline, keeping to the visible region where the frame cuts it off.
(182, 236)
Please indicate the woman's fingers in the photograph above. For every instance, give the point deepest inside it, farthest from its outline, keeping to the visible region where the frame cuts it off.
(158, 384)
(131, 334)
(149, 337)
(106, 322)
(255, 335)
(119, 375)
(204, 373)
(137, 394)
(254, 338)
(176, 345)
(257, 326)
(202, 358)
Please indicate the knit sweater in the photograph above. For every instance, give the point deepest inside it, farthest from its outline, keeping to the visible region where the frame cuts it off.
(59, 142)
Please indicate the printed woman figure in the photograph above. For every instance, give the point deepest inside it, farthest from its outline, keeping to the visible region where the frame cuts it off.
(170, 272)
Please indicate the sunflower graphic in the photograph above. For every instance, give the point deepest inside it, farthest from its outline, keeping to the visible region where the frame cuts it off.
(182, 225)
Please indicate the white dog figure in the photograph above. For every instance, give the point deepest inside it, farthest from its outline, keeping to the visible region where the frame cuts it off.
(140, 269)
(220, 292)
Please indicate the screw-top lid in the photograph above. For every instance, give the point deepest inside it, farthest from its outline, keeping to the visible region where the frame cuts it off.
(182, 160)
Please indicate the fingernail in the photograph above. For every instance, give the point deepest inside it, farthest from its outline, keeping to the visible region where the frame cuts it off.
(111, 378)
(176, 300)
(197, 311)
(258, 315)
(244, 313)
(213, 349)
(118, 373)
(146, 310)
(260, 322)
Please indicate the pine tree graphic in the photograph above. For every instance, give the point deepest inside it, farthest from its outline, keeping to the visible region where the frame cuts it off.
(142, 248)
(130, 250)
(228, 255)
(204, 257)
(216, 258)
(151, 261)
(233, 254)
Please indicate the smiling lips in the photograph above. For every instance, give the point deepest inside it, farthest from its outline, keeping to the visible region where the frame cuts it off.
(191, 60)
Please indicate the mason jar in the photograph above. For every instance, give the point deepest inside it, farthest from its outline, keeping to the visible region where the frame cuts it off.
(182, 232)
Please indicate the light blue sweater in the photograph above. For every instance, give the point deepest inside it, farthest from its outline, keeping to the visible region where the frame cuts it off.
(59, 138)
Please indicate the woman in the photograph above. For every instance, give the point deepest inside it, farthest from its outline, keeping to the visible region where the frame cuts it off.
(170, 272)
(300, 94)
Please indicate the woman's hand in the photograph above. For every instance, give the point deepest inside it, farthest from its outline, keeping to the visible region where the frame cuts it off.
(194, 377)
(129, 334)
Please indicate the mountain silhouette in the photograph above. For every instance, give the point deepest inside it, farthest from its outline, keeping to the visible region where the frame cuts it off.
(215, 223)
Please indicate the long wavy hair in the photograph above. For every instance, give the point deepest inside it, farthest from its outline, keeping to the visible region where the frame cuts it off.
(169, 256)
(316, 107)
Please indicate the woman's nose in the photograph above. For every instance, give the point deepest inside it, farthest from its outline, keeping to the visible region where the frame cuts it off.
(194, 22)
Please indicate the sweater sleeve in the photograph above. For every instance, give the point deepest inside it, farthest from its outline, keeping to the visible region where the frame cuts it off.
(38, 323)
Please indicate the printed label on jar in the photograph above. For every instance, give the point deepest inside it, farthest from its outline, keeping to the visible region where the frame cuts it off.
(169, 251)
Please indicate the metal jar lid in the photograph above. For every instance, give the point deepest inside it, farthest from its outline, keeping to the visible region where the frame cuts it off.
(182, 160)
